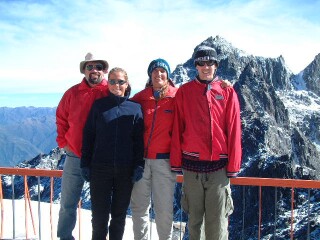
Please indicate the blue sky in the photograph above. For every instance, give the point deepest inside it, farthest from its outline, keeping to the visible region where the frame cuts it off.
(43, 41)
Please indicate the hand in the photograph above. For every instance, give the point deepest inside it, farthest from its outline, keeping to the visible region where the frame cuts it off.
(85, 173)
(137, 174)
(66, 148)
(225, 84)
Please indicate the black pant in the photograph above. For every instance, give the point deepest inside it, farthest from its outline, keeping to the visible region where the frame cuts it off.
(110, 190)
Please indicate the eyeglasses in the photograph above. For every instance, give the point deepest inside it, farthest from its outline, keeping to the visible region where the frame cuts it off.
(116, 81)
(98, 67)
(208, 63)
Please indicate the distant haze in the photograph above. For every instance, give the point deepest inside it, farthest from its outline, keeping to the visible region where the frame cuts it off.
(13, 100)
(30, 99)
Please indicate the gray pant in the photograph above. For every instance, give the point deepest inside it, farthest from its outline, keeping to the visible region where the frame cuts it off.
(71, 188)
(158, 179)
(207, 196)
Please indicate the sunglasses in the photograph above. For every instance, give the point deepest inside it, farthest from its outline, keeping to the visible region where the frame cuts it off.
(115, 81)
(98, 67)
(208, 63)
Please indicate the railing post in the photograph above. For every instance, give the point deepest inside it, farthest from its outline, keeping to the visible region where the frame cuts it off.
(51, 197)
(180, 222)
(26, 197)
(275, 213)
(292, 213)
(308, 214)
(260, 212)
(13, 209)
(39, 208)
(243, 210)
(2, 210)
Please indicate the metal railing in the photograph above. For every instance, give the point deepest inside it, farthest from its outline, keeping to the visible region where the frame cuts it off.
(241, 181)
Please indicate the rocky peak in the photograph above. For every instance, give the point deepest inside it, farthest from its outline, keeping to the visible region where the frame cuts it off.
(232, 61)
(311, 76)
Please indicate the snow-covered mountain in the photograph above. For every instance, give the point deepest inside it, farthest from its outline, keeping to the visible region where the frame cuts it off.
(280, 114)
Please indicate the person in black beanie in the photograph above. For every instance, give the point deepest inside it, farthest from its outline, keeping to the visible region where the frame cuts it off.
(206, 146)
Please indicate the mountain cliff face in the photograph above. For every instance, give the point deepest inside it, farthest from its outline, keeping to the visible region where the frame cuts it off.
(311, 76)
(280, 114)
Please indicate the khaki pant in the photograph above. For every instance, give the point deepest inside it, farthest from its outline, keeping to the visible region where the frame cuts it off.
(207, 196)
(158, 181)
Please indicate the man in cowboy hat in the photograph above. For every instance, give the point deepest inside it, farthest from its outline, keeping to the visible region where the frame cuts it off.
(71, 115)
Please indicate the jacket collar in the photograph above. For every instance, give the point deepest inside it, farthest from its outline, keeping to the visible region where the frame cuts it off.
(199, 81)
(148, 92)
(117, 99)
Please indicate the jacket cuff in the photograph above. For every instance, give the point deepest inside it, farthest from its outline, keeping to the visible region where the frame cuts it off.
(232, 174)
(176, 169)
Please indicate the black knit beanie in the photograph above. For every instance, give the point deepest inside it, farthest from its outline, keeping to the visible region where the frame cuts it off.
(205, 53)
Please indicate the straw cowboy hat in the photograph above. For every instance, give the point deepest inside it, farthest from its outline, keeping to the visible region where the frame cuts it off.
(91, 58)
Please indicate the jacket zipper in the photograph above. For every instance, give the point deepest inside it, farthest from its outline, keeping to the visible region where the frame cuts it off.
(208, 87)
(152, 128)
(115, 146)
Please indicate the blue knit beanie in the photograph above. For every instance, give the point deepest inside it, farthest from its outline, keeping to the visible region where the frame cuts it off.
(159, 63)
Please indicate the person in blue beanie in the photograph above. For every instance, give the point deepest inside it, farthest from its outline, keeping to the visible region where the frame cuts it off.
(112, 156)
(158, 180)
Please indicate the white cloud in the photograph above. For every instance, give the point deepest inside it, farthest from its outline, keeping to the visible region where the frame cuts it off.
(44, 43)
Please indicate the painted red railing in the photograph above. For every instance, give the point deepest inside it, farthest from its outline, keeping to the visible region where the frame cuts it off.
(243, 181)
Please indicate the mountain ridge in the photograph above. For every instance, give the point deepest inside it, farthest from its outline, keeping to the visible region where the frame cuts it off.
(25, 132)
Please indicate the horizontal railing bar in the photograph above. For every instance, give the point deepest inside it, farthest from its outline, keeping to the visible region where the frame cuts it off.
(275, 182)
(244, 181)
(270, 182)
(31, 172)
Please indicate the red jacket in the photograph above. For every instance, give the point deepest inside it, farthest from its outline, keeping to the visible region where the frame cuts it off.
(207, 124)
(72, 113)
(158, 119)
